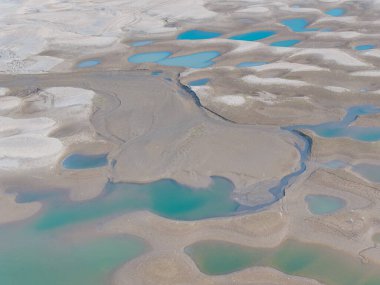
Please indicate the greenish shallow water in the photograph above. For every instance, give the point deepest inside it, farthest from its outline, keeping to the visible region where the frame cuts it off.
(166, 198)
(324, 264)
(28, 257)
(324, 204)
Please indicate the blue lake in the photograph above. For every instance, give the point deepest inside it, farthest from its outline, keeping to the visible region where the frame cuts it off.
(365, 47)
(149, 56)
(323, 204)
(197, 35)
(141, 43)
(88, 63)
(336, 12)
(286, 43)
(344, 129)
(81, 161)
(254, 36)
(368, 171)
(251, 63)
(194, 60)
(298, 25)
(199, 82)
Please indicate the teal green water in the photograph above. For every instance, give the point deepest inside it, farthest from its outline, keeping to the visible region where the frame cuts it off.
(166, 198)
(81, 161)
(323, 204)
(35, 258)
(324, 264)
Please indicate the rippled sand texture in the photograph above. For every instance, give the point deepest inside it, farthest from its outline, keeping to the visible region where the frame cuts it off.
(281, 98)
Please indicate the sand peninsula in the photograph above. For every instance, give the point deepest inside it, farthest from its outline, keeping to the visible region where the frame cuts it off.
(160, 127)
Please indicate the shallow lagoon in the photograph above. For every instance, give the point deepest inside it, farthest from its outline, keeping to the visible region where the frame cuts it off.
(31, 257)
(343, 128)
(368, 171)
(324, 264)
(197, 35)
(364, 47)
(81, 161)
(251, 63)
(199, 82)
(194, 60)
(286, 43)
(141, 43)
(88, 63)
(254, 36)
(324, 204)
(166, 198)
(336, 12)
(298, 25)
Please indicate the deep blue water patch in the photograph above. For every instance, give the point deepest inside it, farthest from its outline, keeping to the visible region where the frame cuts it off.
(286, 43)
(251, 63)
(197, 35)
(254, 36)
(81, 161)
(88, 63)
(344, 128)
(298, 25)
(199, 82)
(141, 43)
(336, 12)
(364, 47)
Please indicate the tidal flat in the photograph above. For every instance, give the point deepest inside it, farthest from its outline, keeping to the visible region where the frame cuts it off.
(189, 142)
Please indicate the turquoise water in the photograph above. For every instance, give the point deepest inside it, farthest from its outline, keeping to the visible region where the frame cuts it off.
(368, 171)
(81, 161)
(199, 82)
(149, 56)
(365, 47)
(197, 35)
(166, 198)
(88, 63)
(251, 63)
(329, 266)
(323, 204)
(336, 12)
(298, 25)
(141, 43)
(343, 128)
(286, 43)
(194, 60)
(254, 36)
(35, 258)
(156, 73)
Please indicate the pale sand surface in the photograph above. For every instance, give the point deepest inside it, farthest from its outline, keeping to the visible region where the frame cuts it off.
(152, 129)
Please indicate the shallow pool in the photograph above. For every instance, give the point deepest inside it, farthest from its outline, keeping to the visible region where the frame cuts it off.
(364, 47)
(286, 43)
(254, 36)
(324, 204)
(81, 161)
(149, 56)
(368, 171)
(344, 128)
(251, 63)
(166, 198)
(194, 60)
(298, 25)
(88, 63)
(321, 263)
(199, 82)
(336, 12)
(197, 35)
(31, 257)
